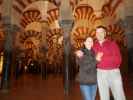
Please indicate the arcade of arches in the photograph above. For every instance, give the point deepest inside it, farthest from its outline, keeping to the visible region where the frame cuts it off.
(37, 37)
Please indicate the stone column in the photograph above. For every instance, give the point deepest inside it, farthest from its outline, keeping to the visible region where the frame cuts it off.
(66, 22)
(7, 56)
(129, 35)
(44, 49)
(129, 32)
(6, 18)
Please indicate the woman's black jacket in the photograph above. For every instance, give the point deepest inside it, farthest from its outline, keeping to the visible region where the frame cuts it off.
(87, 67)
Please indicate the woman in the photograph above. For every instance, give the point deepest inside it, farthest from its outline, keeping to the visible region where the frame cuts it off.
(87, 70)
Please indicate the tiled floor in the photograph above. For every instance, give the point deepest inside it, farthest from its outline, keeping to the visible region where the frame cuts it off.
(32, 87)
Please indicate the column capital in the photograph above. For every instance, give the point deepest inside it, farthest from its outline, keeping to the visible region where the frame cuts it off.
(66, 23)
(6, 20)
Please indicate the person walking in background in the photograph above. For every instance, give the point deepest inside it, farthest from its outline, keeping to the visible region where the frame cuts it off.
(108, 72)
(87, 70)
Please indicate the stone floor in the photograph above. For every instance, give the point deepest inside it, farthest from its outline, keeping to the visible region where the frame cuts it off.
(32, 87)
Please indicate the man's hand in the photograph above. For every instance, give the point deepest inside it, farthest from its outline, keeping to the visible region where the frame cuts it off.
(99, 56)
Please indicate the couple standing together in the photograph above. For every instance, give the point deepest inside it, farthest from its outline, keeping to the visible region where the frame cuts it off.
(104, 54)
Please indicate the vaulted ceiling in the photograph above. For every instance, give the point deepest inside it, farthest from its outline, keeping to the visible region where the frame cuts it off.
(29, 8)
(39, 21)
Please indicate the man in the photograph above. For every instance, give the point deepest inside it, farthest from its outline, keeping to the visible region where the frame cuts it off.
(108, 72)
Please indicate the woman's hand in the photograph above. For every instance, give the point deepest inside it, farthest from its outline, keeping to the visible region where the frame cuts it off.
(79, 53)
